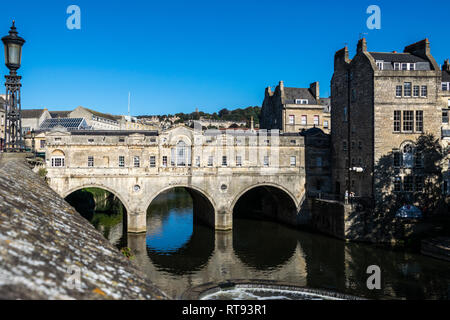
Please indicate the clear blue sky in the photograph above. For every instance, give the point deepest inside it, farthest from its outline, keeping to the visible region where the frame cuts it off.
(175, 56)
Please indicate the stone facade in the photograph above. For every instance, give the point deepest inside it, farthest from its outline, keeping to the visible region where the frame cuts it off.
(216, 168)
(382, 102)
(445, 100)
(33, 118)
(317, 162)
(294, 109)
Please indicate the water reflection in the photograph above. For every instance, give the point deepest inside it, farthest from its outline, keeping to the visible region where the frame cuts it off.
(177, 254)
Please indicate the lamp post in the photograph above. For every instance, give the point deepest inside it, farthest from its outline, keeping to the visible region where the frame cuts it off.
(13, 125)
(33, 145)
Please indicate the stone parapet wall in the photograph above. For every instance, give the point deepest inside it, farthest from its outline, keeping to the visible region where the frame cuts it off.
(43, 241)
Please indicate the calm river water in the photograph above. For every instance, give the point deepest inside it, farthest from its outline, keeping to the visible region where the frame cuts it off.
(176, 255)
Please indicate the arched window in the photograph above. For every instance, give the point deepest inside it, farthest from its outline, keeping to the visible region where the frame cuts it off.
(408, 155)
(58, 159)
(181, 155)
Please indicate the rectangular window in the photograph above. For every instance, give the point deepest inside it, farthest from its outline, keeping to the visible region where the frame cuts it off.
(293, 161)
(407, 89)
(419, 121)
(424, 91)
(418, 160)
(398, 91)
(408, 121)
(238, 161)
(445, 116)
(344, 145)
(412, 66)
(137, 162)
(445, 86)
(404, 66)
(121, 161)
(325, 124)
(301, 101)
(397, 120)
(266, 161)
(319, 162)
(291, 119)
(408, 184)
(90, 161)
(419, 183)
(152, 161)
(224, 161)
(197, 161)
(42, 144)
(380, 64)
(397, 159)
(396, 66)
(164, 161)
(58, 162)
(304, 120)
(345, 116)
(210, 161)
(416, 90)
(397, 184)
(316, 120)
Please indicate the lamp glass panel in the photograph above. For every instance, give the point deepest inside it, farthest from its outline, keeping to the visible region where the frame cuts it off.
(14, 53)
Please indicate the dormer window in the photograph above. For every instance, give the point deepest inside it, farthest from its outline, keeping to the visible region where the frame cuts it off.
(380, 64)
(301, 101)
(445, 86)
(404, 66)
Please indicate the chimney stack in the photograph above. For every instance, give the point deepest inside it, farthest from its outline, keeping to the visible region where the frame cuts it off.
(362, 45)
(281, 84)
(314, 88)
(446, 66)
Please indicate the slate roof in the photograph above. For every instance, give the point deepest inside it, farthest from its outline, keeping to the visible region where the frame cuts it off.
(397, 57)
(32, 113)
(298, 93)
(445, 76)
(60, 114)
(103, 115)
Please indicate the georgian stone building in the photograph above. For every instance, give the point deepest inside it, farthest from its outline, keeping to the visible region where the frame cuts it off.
(445, 97)
(382, 102)
(294, 109)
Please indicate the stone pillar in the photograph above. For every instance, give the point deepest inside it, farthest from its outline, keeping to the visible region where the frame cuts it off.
(224, 219)
(137, 222)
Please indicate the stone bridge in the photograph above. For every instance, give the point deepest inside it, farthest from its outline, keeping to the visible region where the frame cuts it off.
(217, 168)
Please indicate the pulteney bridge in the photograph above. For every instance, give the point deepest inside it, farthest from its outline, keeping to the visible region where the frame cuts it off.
(216, 168)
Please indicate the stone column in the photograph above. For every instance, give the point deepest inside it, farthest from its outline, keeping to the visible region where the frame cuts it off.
(137, 221)
(224, 219)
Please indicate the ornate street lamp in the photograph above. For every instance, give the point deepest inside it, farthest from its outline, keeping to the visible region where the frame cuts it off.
(33, 145)
(13, 125)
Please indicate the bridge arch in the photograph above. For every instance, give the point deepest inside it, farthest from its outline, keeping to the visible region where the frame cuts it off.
(65, 194)
(265, 184)
(275, 202)
(204, 204)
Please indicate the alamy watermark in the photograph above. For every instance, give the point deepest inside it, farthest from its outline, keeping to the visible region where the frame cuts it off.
(73, 22)
(374, 281)
(73, 279)
(374, 20)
